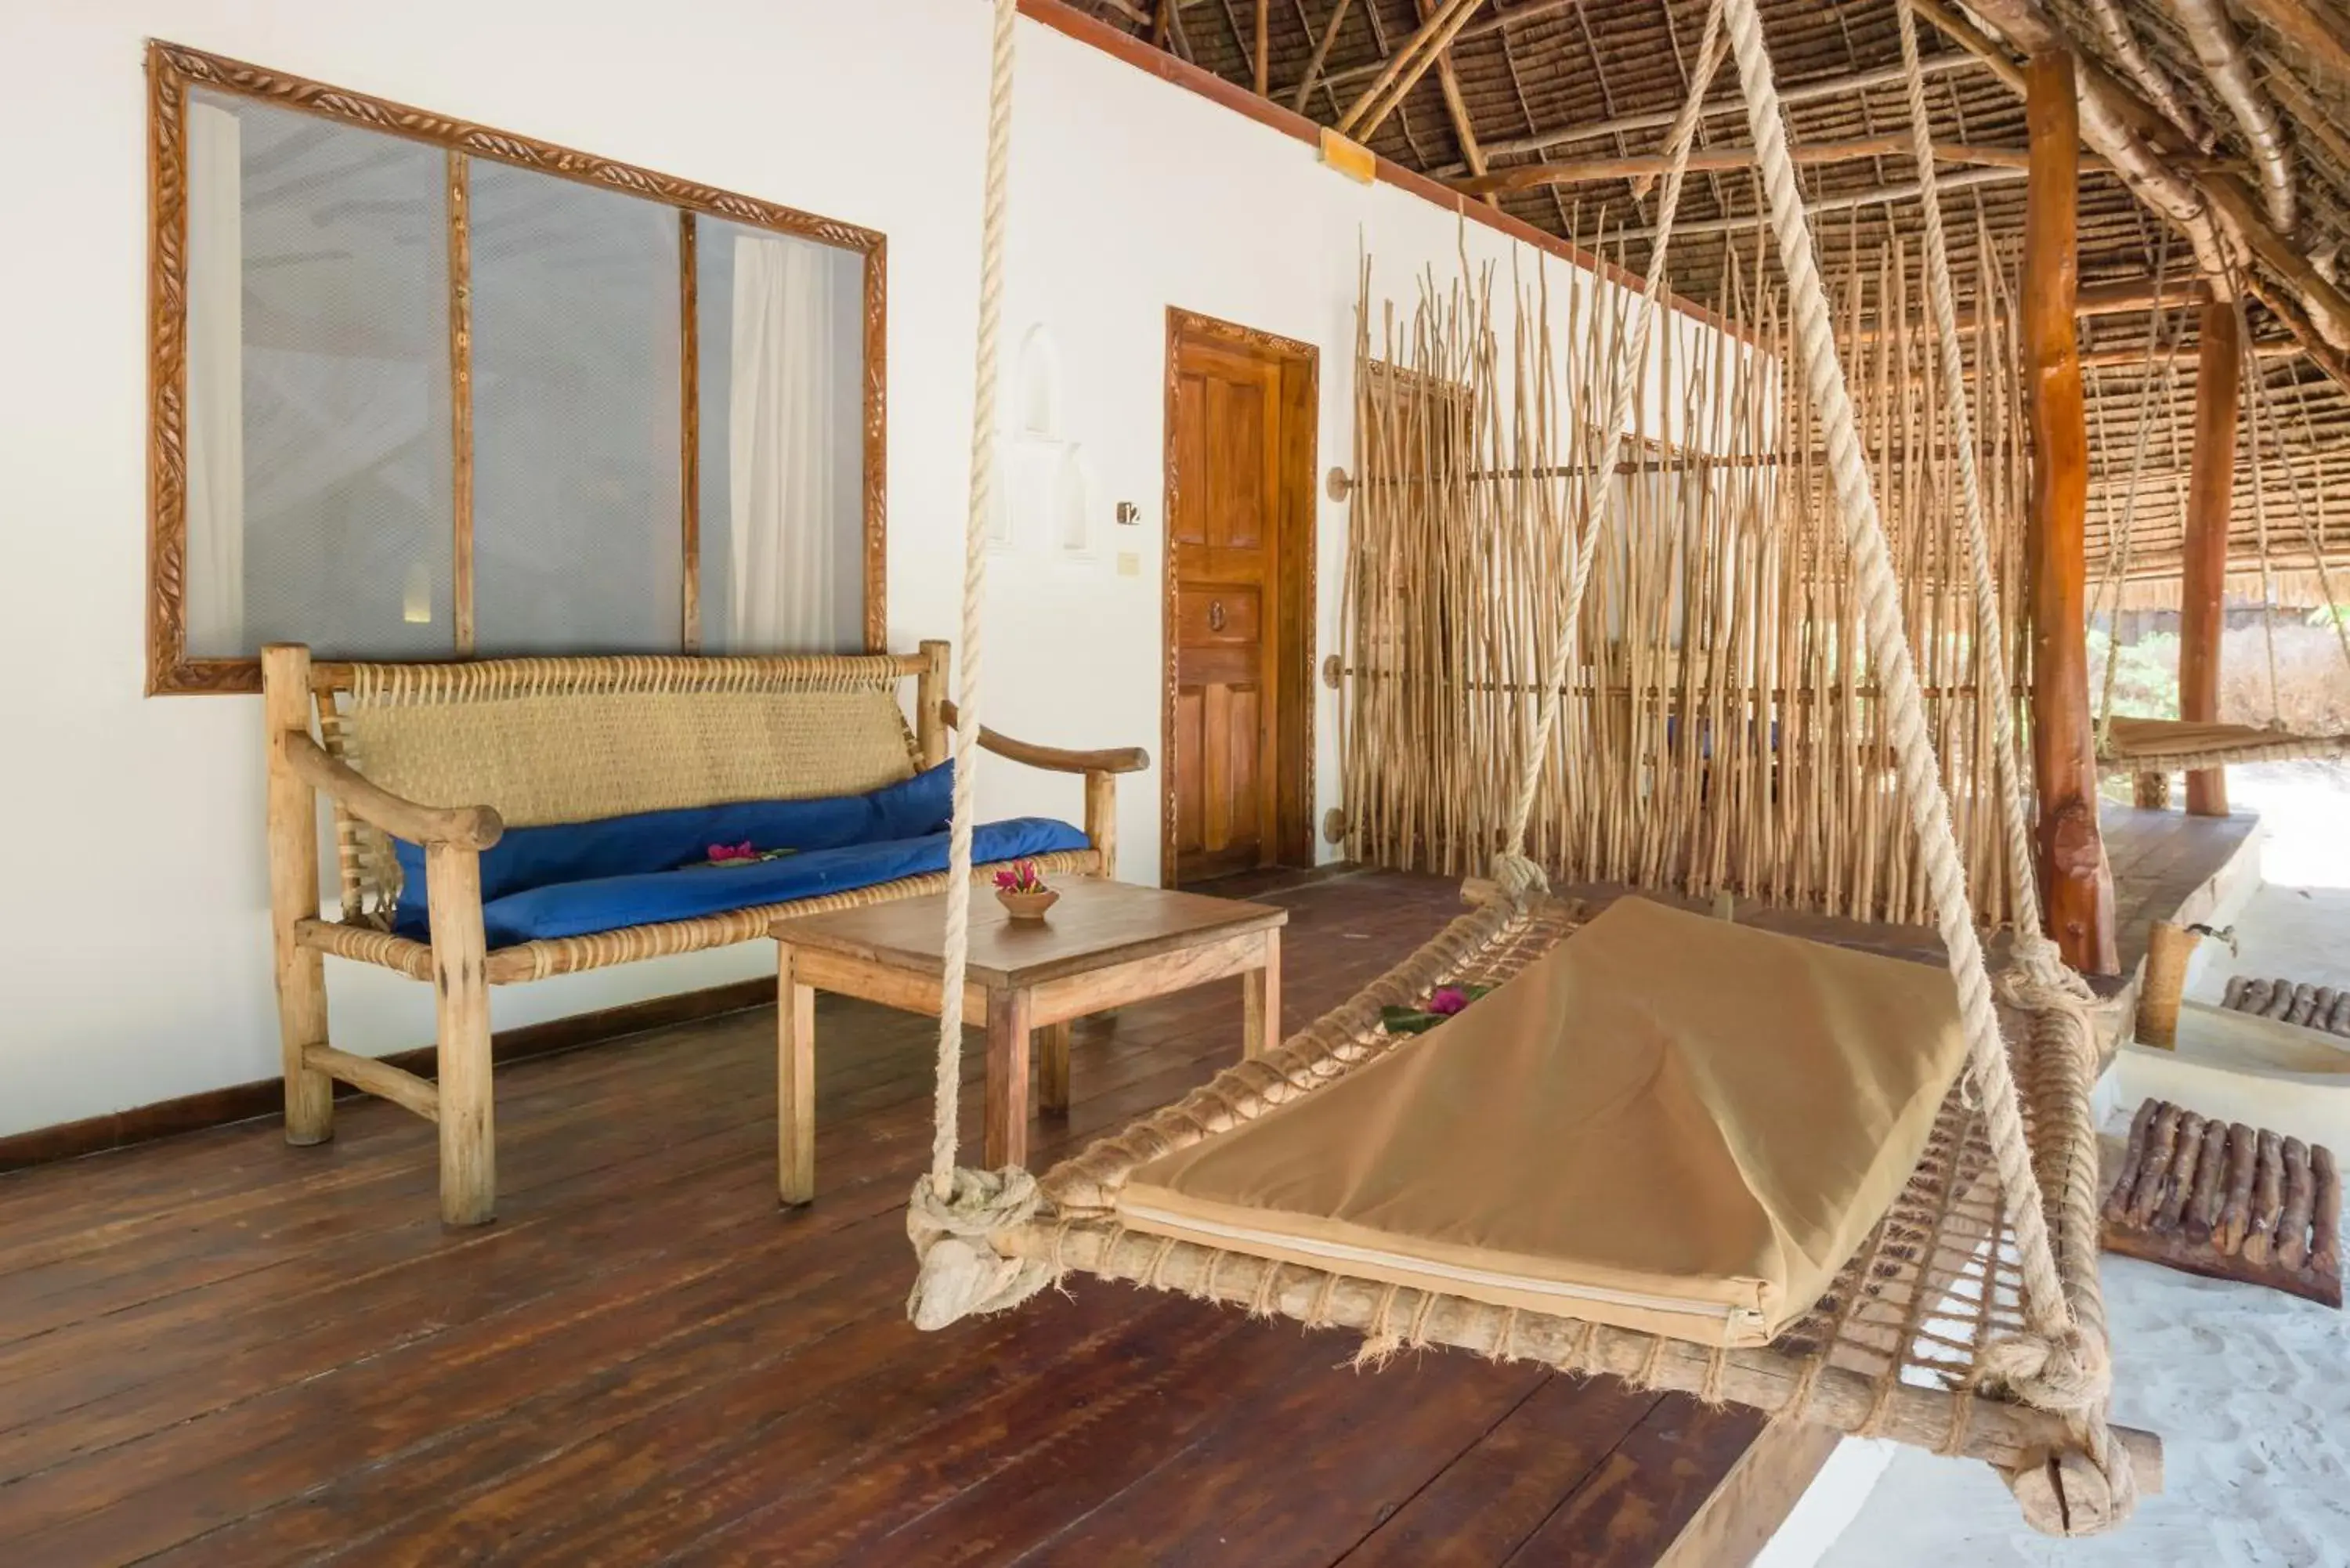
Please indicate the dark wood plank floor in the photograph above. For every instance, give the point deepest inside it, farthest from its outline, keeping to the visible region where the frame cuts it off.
(217, 1350)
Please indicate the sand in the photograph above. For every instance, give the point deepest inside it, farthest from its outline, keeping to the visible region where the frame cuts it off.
(2249, 1389)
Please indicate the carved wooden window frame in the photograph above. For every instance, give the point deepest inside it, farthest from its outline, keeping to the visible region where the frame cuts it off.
(172, 69)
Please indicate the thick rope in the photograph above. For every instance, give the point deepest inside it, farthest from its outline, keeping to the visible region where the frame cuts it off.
(2340, 612)
(974, 593)
(2035, 955)
(2069, 1370)
(951, 1211)
(2117, 566)
(1517, 874)
(2250, 367)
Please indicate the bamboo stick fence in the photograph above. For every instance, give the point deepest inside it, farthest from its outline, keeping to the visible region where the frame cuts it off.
(1723, 731)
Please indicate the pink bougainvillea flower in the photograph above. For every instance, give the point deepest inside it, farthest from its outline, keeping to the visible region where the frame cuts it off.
(1447, 1000)
(1020, 876)
(743, 851)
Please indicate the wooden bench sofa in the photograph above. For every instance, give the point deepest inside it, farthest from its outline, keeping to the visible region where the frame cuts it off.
(448, 757)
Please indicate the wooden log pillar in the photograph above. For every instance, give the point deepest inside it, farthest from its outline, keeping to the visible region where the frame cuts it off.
(2076, 886)
(2210, 498)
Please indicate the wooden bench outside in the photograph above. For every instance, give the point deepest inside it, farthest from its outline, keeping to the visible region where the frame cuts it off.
(448, 756)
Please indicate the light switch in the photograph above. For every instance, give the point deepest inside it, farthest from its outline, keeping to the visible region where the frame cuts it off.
(1129, 565)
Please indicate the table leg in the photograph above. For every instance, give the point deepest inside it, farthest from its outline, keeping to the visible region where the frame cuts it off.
(1008, 1012)
(794, 1083)
(1261, 1003)
(1053, 1068)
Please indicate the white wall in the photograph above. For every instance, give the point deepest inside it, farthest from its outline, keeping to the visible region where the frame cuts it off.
(133, 937)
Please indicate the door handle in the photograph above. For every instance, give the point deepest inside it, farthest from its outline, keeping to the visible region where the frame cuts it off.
(1215, 615)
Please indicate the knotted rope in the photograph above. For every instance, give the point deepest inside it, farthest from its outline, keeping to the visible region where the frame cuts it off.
(1518, 875)
(952, 1210)
(2054, 1364)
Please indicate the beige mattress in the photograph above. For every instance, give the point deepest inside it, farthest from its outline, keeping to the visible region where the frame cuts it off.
(1669, 1123)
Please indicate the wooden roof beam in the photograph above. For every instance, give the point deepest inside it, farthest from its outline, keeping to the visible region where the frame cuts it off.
(1907, 191)
(2129, 357)
(1456, 107)
(1500, 20)
(1404, 68)
(2213, 36)
(2122, 39)
(1590, 171)
(2124, 297)
(1321, 52)
(2219, 214)
(2316, 28)
(1660, 120)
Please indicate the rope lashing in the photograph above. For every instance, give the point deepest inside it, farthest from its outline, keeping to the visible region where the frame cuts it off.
(952, 1210)
(959, 1273)
(1518, 876)
(2048, 1316)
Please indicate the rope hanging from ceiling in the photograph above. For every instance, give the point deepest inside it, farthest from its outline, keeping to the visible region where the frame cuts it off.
(986, 1240)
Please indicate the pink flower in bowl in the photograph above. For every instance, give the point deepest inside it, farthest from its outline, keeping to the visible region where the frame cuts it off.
(1020, 876)
(1447, 1000)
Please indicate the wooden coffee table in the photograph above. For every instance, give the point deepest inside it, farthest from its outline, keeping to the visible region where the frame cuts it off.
(1105, 944)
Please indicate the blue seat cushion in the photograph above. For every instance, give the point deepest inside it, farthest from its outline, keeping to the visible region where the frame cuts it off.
(613, 903)
(564, 852)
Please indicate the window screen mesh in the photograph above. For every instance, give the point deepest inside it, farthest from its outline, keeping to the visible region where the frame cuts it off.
(577, 527)
(320, 422)
(344, 376)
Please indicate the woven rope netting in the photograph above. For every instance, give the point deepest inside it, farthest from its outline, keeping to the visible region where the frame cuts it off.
(1971, 1321)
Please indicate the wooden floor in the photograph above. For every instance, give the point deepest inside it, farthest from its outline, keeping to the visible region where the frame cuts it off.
(217, 1350)
(220, 1350)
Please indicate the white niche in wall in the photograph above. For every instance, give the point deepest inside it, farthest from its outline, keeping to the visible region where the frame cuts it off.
(1049, 486)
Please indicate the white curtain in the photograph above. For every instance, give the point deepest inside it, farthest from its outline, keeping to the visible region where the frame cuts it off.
(215, 577)
(785, 461)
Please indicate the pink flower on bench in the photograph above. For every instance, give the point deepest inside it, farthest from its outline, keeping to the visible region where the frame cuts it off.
(721, 853)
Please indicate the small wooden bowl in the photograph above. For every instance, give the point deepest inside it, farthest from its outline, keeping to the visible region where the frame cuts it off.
(1027, 906)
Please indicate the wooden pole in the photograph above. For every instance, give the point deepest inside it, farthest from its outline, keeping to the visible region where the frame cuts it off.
(1321, 52)
(1262, 59)
(2077, 887)
(2210, 498)
(294, 897)
(1402, 73)
(1464, 130)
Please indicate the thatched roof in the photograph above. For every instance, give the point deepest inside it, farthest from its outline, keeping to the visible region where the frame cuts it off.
(1578, 81)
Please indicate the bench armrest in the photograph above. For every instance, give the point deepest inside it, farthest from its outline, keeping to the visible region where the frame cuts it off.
(1054, 759)
(463, 826)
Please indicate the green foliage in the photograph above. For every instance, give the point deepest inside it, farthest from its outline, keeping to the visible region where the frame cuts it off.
(2329, 615)
(2146, 679)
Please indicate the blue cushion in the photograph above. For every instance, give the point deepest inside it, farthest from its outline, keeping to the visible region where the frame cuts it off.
(613, 903)
(529, 857)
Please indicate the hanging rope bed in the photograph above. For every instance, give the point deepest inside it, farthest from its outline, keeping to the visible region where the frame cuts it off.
(1962, 1312)
(2127, 744)
(2177, 745)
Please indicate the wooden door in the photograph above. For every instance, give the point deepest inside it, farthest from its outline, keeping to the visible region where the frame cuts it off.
(1226, 509)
